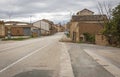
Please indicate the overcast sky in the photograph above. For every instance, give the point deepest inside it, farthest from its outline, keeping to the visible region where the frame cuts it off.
(55, 10)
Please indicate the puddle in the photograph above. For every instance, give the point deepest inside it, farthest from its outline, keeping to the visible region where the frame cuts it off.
(36, 73)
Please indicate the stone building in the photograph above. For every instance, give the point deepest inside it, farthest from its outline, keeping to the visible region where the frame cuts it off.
(101, 39)
(84, 12)
(60, 28)
(2, 29)
(85, 22)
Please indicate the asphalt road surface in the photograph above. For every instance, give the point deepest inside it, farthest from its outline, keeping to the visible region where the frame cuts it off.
(47, 57)
(104, 63)
(38, 57)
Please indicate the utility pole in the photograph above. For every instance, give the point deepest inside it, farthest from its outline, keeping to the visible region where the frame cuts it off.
(9, 27)
(40, 28)
(30, 19)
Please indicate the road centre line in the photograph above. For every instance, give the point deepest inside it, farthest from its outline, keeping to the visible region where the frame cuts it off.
(23, 58)
(17, 46)
(28, 42)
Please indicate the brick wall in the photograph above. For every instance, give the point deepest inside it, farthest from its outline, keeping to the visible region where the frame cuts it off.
(15, 31)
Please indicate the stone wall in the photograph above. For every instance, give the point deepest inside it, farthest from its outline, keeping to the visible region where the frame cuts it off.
(92, 28)
(2, 30)
(74, 31)
(101, 40)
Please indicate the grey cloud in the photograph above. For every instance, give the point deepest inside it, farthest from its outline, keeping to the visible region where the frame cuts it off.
(26, 8)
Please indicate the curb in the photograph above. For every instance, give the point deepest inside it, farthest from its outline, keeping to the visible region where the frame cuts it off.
(65, 63)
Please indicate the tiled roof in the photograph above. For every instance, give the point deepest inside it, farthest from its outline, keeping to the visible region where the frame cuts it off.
(16, 22)
(1, 22)
(18, 26)
(87, 10)
(45, 20)
(50, 22)
(89, 18)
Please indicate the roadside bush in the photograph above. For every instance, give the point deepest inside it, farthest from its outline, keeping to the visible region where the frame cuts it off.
(67, 34)
(89, 37)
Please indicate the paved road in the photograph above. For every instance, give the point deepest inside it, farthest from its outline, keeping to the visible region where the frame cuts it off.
(31, 58)
(104, 63)
(47, 57)
(6, 42)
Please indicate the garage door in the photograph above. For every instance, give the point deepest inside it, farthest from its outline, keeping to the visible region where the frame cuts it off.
(27, 31)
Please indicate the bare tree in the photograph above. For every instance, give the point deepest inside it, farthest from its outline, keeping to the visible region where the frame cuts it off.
(105, 9)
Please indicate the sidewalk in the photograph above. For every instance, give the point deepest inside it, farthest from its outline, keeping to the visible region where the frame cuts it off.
(84, 65)
(6, 42)
(65, 63)
(65, 39)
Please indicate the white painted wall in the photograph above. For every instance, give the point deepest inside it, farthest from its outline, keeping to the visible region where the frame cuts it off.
(45, 25)
(37, 24)
(42, 24)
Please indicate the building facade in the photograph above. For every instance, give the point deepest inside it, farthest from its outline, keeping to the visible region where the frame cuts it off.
(35, 31)
(14, 28)
(46, 26)
(101, 40)
(85, 22)
(2, 29)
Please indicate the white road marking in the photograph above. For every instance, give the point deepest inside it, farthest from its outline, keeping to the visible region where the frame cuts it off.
(17, 44)
(23, 58)
(12, 47)
(107, 65)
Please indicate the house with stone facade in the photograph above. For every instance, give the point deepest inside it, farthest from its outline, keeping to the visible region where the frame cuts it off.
(60, 28)
(85, 21)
